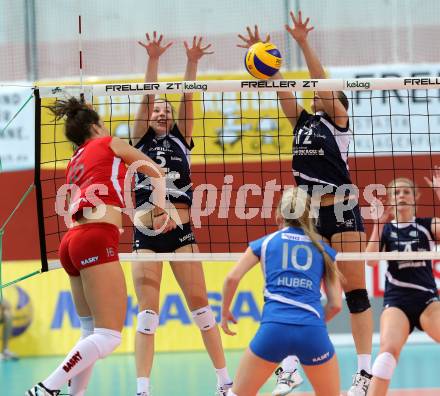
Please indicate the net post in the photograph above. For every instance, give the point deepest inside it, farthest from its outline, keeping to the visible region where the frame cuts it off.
(37, 181)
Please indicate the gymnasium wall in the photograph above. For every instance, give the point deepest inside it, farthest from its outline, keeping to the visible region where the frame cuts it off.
(39, 38)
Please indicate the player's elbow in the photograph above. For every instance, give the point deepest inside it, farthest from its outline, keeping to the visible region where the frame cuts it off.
(335, 307)
(232, 281)
(332, 309)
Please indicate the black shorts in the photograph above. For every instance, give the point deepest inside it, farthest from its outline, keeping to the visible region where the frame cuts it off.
(327, 223)
(165, 243)
(412, 310)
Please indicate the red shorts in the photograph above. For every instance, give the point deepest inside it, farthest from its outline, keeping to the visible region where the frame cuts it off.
(87, 245)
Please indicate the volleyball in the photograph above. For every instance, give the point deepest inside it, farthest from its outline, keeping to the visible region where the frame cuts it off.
(22, 311)
(263, 60)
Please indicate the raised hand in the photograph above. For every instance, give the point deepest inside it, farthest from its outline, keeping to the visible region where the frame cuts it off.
(434, 182)
(300, 30)
(195, 52)
(380, 211)
(252, 37)
(154, 45)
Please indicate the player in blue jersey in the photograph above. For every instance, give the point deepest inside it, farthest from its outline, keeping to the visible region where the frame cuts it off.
(411, 298)
(168, 141)
(320, 154)
(294, 263)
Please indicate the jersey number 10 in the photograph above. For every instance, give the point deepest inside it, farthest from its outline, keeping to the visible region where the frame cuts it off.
(293, 259)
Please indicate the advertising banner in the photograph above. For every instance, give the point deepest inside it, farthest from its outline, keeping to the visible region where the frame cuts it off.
(17, 131)
(45, 322)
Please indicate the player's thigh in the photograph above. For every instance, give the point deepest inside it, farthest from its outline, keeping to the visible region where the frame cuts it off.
(147, 276)
(324, 377)
(81, 305)
(191, 279)
(251, 374)
(430, 320)
(353, 271)
(394, 330)
(106, 294)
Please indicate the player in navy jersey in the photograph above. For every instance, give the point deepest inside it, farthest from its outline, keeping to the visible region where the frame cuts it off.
(411, 298)
(168, 141)
(294, 263)
(320, 150)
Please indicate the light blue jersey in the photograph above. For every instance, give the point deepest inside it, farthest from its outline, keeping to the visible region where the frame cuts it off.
(293, 269)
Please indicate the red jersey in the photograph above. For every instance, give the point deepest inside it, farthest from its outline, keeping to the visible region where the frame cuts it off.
(98, 174)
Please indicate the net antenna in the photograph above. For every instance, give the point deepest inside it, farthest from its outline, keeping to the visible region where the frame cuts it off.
(80, 53)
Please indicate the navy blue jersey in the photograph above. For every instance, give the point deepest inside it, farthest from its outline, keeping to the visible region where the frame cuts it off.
(320, 150)
(172, 152)
(408, 278)
(293, 269)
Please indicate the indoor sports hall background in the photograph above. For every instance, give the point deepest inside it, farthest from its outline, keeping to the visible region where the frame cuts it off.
(39, 44)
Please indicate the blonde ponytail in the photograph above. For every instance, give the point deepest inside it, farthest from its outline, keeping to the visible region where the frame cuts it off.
(294, 210)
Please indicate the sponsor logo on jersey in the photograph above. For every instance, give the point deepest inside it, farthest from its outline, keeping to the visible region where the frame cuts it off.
(295, 237)
(413, 234)
(321, 358)
(186, 237)
(308, 152)
(89, 260)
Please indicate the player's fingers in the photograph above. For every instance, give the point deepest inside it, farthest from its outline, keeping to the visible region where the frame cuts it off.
(242, 38)
(294, 20)
(169, 45)
(256, 31)
(428, 181)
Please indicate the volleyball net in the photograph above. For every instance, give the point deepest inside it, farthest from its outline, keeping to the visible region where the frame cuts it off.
(242, 156)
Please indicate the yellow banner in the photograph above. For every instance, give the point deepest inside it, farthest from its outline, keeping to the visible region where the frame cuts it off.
(45, 322)
(228, 127)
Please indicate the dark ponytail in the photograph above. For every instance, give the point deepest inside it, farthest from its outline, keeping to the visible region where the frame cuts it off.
(79, 118)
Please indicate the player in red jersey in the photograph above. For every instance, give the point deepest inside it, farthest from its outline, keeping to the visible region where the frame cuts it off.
(95, 176)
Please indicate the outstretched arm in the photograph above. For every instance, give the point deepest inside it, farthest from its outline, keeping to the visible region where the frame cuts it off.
(154, 50)
(185, 120)
(376, 234)
(288, 101)
(246, 262)
(434, 183)
(299, 32)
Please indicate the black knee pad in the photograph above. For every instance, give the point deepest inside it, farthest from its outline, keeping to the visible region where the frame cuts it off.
(357, 301)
